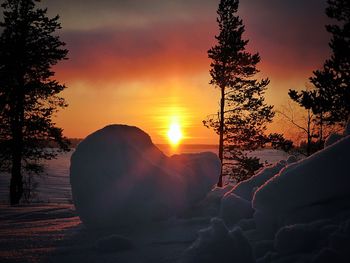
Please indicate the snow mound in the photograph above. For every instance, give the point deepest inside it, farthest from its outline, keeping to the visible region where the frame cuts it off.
(327, 255)
(113, 243)
(313, 188)
(299, 238)
(234, 208)
(301, 213)
(332, 139)
(210, 205)
(119, 177)
(262, 247)
(219, 192)
(246, 189)
(217, 244)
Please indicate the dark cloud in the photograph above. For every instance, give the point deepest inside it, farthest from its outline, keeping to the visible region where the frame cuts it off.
(138, 38)
(289, 35)
(297, 26)
(89, 14)
(159, 52)
(140, 6)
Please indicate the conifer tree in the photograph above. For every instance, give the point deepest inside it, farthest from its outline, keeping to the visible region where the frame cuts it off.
(243, 114)
(29, 47)
(333, 81)
(330, 98)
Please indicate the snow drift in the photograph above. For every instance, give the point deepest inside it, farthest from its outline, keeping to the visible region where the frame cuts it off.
(246, 188)
(236, 204)
(217, 244)
(314, 188)
(301, 212)
(234, 208)
(119, 177)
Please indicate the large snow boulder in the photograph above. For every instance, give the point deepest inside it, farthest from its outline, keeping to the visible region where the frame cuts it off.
(119, 177)
(313, 188)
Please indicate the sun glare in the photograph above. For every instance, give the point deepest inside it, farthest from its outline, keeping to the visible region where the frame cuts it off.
(174, 134)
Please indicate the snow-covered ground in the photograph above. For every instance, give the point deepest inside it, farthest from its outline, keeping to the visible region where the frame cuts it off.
(289, 212)
(54, 233)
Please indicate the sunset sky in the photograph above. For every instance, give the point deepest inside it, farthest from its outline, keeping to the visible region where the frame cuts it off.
(144, 62)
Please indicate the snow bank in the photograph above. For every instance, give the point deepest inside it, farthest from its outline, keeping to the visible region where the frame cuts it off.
(119, 177)
(210, 205)
(313, 188)
(234, 208)
(299, 238)
(263, 247)
(246, 189)
(332, 139)
(218, 192)
(327, 255)
(113, 243)
(217, 244)
(301, 213)
(236, 204)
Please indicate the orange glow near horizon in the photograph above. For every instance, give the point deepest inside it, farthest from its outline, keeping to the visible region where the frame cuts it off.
(151, 107)
(144, 104)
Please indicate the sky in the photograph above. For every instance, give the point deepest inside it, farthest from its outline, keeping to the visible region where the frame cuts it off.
(144, 62)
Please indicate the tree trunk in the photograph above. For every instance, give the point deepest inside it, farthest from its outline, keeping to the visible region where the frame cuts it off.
(221, 134)
(309, 139)
(321, 131)
(16, 184)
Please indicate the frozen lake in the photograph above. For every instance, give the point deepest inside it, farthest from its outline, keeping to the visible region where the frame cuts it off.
(54, 186)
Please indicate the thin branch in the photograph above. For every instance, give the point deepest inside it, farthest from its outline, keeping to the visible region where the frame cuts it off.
(292, 121)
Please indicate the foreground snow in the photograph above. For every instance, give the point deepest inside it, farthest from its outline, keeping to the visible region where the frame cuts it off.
(54, 233)
(317, 187)
(288, 212)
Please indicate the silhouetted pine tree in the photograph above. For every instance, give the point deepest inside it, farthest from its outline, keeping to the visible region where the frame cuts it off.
(243, 114)
(330, 98)
(332, 90)
(333, 81)
(28, 93)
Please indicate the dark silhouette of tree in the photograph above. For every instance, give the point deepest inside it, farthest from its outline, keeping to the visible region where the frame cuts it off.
(330, 99)
(278, 141)
(28, 93)
(243, 114)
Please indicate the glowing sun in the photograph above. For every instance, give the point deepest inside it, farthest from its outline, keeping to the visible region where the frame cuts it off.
(174, 134)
